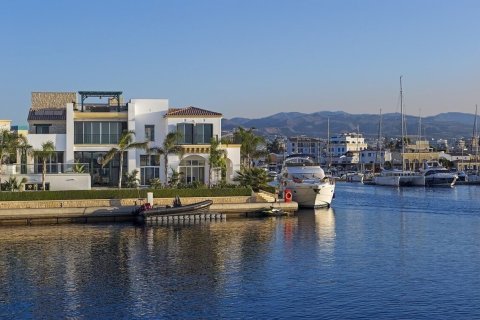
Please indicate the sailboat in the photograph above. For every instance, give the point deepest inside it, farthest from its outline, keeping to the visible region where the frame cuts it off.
(395, 177)
(474, 177)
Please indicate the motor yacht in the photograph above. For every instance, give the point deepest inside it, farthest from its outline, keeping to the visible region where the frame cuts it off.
(307, 182)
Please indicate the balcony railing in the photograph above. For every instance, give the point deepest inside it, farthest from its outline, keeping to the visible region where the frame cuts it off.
(100, 107)
(52, 168)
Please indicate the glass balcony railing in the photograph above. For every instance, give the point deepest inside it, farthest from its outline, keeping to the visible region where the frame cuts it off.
(52, 168)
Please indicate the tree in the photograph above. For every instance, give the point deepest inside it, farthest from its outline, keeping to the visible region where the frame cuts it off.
(276, 146)
(44, 154)
(25, 148)
(169, 146)
(124, 144)
(131, 180)
(12, 184)
(9, 144)
(216, 159)
(255, 178)
(250, 148)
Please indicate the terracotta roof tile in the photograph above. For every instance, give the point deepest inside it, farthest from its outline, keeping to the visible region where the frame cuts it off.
(191, 111)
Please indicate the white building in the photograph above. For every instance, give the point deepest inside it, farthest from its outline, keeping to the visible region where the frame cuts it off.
(84, 132)
(378, 157)
(345, 142)
(305, 145)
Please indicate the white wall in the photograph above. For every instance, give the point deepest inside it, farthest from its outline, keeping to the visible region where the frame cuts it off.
(59, 140)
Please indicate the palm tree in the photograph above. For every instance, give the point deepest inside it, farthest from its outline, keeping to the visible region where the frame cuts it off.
(250, 148)
(216, 159)
(124, 144)
(44, 154)
(9, 143)
(169, 146)
(25, 148)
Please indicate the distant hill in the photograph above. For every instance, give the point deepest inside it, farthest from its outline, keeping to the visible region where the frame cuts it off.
(449, 125)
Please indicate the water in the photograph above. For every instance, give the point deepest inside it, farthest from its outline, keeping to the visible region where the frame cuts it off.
(380, 253)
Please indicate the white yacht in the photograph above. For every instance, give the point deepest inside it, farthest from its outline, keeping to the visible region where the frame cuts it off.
(437, 175)
(399, 178)
(307, 182)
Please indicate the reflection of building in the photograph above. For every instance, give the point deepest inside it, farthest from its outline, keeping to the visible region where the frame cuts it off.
(83, 132)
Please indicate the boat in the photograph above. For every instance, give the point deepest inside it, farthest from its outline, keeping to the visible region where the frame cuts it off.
(403, 177)
(306, 181)
(437, 175)
(399, 178)
(355, 177)
(145, 211)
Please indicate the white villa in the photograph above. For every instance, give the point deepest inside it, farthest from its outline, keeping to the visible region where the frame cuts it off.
(84, 131)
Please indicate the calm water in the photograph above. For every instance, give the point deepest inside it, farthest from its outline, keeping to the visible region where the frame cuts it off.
(380, 253)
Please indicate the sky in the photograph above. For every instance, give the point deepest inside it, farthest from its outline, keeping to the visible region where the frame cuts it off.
(246, 58)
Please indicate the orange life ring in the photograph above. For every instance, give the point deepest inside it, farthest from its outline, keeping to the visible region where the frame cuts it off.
(288, 195)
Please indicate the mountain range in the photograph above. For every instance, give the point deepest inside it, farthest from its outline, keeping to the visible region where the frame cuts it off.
(451, 125)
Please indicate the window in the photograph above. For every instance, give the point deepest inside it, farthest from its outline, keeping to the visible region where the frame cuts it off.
(149, 160)
(195, 134)
(149, 132)
(42, 128)
(185, 131)
(98, 132)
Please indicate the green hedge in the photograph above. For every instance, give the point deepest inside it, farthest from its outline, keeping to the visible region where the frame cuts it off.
(122, 194)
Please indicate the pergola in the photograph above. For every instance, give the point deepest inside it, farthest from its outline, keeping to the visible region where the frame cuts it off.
(99, 94)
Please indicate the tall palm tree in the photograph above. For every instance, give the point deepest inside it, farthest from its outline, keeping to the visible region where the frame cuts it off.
(169, 146)
(250, 148)
(124, 144)
(25, 148)
(8, 145)
(44, 154)
(216, 159)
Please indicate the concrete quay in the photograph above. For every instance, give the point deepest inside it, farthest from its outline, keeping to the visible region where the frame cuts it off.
(116, 210)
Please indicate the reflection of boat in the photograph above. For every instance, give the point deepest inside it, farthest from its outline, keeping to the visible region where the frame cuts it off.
(273, 212)
(307, 182)
(146, 211)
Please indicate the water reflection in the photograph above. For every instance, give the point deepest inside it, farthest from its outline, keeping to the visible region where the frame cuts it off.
(319, 225)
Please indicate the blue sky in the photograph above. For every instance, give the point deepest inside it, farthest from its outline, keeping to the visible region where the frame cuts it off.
(246, 58)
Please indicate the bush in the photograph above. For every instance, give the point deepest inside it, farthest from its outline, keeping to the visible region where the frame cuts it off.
(122, 194)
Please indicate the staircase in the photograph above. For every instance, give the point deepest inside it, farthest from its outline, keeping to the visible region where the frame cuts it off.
(263, 196)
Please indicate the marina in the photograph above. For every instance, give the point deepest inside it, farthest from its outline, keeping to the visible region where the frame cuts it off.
(380, 252)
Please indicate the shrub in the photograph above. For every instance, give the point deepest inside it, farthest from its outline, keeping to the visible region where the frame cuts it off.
(122, 194)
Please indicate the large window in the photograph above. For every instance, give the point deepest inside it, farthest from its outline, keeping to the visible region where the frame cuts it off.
(149, 168)
(54, 163)
(98, 132)
(195, 134)
(192, 170)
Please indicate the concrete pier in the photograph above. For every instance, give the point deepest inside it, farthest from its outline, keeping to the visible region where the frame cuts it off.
(93, 211)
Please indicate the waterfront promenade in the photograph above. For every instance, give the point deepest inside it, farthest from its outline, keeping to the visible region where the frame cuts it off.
(116, 210)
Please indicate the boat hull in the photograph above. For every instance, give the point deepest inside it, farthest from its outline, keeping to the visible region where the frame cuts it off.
(165, 211)
(312, 195)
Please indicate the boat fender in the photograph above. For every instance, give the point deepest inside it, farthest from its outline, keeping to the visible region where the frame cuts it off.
(288, 195)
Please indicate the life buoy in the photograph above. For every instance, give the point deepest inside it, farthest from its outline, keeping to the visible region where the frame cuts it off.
(288, 195)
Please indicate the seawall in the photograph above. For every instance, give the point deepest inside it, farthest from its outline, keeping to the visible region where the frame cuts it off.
(113, 210)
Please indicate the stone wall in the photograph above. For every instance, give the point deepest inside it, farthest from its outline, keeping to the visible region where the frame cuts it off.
(42, 100)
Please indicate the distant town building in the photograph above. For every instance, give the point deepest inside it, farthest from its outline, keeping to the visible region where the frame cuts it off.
(345, 142)
(305, 145)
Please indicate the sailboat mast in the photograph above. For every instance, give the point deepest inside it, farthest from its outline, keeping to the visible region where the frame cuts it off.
(475, 138)
(328, 143)
(403, 123)
(379, 141)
